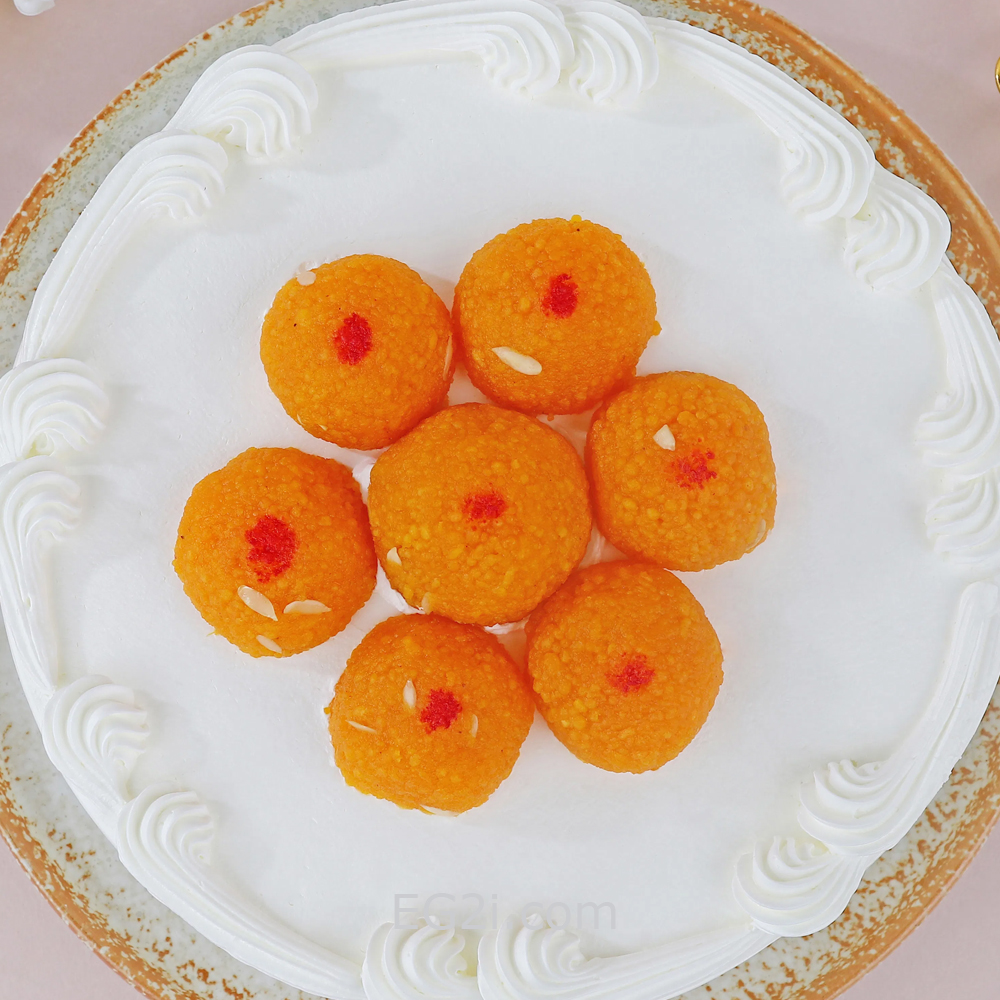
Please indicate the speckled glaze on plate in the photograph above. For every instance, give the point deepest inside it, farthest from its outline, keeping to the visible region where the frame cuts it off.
(77, 868)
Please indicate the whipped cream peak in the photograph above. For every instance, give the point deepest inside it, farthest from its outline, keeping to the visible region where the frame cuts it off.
(962, 433)
(49, 406)
(532, 958)
(964, 522)
(403, 963)
(164, 839)
(795, 887)
(829, 165)
(38, 504)
(253, 97)
(170, 173)
(94, 733)
(864, 810)
(616, 56)
(524, 44)
(898, 238)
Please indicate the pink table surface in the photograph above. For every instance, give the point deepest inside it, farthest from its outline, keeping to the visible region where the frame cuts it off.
(934, 58)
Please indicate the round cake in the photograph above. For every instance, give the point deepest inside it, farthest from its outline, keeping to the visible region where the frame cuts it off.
(859, 638)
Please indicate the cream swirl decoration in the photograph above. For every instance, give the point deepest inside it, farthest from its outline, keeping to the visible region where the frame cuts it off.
(525, 45)
(94, 733)
(419, 963)
(615, 52)
(528, 960)
(170, 173)
(255, 98)
(854, 813)
(791, 887)
(962, 433)
(829, 165)
(49, 406)
(863, 811)
(898, 238)
(964, 523)
(38, 505)
(165, 840)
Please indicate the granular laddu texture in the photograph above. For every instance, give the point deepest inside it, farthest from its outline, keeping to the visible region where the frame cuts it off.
(554, 315)
(682, 472)
(361, 354)
(275, 552)
(479, 513)
(429, 714)
(624, 664)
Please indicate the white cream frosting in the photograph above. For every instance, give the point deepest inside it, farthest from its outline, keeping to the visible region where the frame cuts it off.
(49, 406)
(829, 166)
(94, 733)
(531, 959)
(795, 886)
(418, 964)
(171, 173)
(165, 840)
(38, 504)
(255, 98)
(961, 435)
(865, 810)
(265, 100)
(899, 235)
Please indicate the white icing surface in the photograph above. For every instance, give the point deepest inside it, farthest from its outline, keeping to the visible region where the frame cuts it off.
(838, 632)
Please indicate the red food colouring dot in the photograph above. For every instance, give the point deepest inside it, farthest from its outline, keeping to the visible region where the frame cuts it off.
(692, 470)
(272, 547)
(441, 710)
(353, 340)
(484, 506)
(560, 300)
(634, 674)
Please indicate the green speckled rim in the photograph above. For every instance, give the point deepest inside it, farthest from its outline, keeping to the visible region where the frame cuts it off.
(77, 868)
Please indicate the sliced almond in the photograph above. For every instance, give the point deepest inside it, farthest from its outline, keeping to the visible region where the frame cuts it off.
(448, 354)
(392, 556)
(306, 608)
(305, 276)
(475, 726)
(358, 725)
(256, 601)
(761, 532)
(665, 439)
(434, 811)
(519, 362)
(410, 695)
(269, 644)
(425, 604)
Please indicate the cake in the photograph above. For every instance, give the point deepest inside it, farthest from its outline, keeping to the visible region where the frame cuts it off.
(859, 641)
